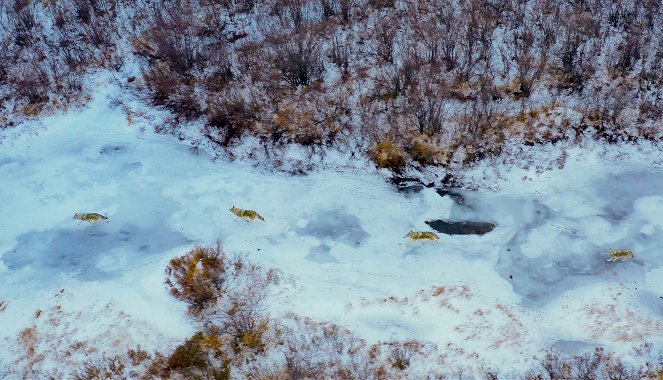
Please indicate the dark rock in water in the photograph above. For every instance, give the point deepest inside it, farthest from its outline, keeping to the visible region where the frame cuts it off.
(409, 185)
(448, 192)
(461, 228)
(449, 181)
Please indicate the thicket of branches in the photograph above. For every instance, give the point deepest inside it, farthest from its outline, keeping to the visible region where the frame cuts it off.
(438, 82)
(47, 47)
(238, 336)
(239, 339)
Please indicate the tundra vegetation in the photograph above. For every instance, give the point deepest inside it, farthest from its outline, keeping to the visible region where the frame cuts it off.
(238, 338)
(405, 82)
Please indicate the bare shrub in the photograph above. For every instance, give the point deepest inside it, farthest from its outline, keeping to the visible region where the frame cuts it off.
(605, 108)
(137, 356)
(393, 81)
(295, 15)
(295, 124)
(298, 58)
(378, 43)
(172, 90)
(5, 371)
(197, 278)
(314, 350)
(482, 124)
(32, 84)
(346, 9)
(23, 24)
(173, 35)
(575, 49)
(340, 55)
(310, 118)
(225, 294)
(428, 107)
(427, 150)
(478, 24)
(593, 365)
(401, 353)
(436, 32)
(229, 118)
(240, 314)
(528, 66)
(161, 81)
(107, 368)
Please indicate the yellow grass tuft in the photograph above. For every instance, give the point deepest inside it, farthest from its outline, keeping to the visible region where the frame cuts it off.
(387, 155)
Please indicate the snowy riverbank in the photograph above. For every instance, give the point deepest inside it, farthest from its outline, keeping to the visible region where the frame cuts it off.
(540, 279)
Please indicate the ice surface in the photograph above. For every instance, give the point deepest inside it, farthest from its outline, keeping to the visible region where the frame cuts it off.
(82, 250)
(336, 225)
(539, 279)
(320, 254)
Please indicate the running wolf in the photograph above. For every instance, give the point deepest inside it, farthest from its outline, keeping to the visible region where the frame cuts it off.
(619, 254)
(424, 235)
(91, 217)
(248, 215)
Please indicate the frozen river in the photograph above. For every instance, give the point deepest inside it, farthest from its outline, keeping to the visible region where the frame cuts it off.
(538, 279)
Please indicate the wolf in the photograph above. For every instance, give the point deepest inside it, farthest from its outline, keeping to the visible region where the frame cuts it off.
(619, 254)
(91, 217)
(248, 215)
(424, 235)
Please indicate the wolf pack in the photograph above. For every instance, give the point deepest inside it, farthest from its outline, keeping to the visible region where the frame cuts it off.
(251, 215)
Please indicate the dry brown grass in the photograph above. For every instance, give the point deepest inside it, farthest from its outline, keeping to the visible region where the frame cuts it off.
(426, 151)
(387, 155)
(197, 277)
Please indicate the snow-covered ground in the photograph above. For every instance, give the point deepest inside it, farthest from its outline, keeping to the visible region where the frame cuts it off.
(539, 280)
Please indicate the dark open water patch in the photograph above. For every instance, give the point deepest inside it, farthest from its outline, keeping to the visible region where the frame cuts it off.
(336, 225)
(540, 280)
(80, 250)
(461, 228)
(620, 193)
(453, 194)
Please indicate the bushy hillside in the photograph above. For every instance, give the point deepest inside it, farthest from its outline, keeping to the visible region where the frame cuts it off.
(442, 82)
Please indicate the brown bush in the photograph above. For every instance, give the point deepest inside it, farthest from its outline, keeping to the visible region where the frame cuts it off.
(226, 295)
(189, 354)
(229, 118)
(197, 278)
(425, 151)
(387, 155)
(199, 357)
(137, 356)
